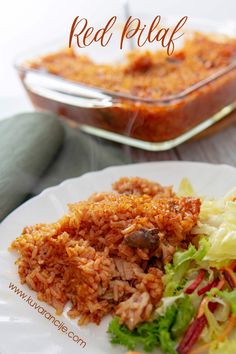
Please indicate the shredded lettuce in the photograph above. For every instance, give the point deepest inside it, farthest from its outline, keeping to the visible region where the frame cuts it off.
(174, 278)
(166, 302)
(192, 254)
(217, 221)
(222, 312)
(228, 296)
(174, 273)
(217, 320)
(225, 347)
(214, 327)
(226, 302)
(185, 189)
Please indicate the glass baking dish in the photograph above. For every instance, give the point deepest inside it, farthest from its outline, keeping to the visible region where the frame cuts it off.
(150, 124)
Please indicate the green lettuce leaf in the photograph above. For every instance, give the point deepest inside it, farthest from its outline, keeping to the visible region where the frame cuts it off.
(175, 273)
(184, 315)
(122, 335)
(191, 254)
(166, 343)
(217, 221)
(149, 334)
(165, 323)
(185, 189)
(146, 335)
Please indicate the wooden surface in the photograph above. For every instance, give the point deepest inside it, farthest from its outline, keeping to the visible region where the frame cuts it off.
(217, 145)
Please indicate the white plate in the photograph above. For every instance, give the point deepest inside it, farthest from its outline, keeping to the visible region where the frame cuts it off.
(25, 330)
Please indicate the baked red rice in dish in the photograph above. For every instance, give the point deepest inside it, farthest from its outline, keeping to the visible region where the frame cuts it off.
(107, 254)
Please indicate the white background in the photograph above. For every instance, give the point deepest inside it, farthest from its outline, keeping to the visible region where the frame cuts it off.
(25, 24)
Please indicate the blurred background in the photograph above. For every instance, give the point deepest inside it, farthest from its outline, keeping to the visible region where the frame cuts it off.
(26, 24)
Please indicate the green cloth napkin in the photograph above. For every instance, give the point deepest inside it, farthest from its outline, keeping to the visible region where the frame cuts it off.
(28, 144)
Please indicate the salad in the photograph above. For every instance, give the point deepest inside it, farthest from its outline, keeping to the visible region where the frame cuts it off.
(197, 313)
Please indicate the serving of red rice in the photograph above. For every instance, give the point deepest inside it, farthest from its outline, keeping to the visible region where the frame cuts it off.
(84, 258)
